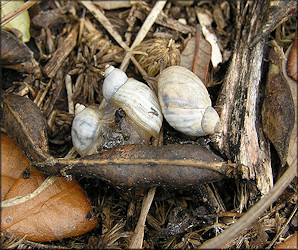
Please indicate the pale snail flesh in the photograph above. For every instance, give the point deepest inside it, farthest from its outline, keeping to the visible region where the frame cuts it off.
(185, 102)
(136, 99)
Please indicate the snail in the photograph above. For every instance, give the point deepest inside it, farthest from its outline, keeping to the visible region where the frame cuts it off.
(91, 128)
(185, 102)
(138, 101)
(96, 128)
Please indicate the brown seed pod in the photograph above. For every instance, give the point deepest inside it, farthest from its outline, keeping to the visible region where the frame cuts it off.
(16, 55)
(157, 49)
(143, 166)
(23, 121)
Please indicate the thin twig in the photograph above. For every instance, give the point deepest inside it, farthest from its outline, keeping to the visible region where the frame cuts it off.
(68, 85)
(44, 93)
(137, 239)
(109, 27)
(283, 227)
(248, 218)
(143, 31)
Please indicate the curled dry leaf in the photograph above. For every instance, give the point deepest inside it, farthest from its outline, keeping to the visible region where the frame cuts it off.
(292, 59)
(278, 113)
(16, 55)
(205, 21)
(60, 211)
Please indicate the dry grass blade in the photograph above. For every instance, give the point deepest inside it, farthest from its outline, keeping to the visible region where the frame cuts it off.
(10, 242)
(10, 16)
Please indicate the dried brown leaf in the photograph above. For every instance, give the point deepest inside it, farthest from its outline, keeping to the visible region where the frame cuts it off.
(278, 110)
(61, 210)
(292, 60)
(196, 56)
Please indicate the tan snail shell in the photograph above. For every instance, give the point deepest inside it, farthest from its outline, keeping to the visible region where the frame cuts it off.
(185, 102)
(136, 99)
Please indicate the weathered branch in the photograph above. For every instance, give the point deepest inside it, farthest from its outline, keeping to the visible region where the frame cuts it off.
(242, 139)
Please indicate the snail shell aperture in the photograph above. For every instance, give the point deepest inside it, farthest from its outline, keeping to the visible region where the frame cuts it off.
(137, 100)
(185, 102)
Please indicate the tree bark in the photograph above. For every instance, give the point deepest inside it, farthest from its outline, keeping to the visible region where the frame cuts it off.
(239, 103)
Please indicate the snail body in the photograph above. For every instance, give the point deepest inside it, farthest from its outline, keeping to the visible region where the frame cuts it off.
(185, 102)
(136, 99)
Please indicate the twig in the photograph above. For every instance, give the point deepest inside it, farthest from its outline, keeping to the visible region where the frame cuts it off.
(143, 31)
(281, 232)
(61, 53)
(44, 93)
(105, 23)
(68, 85)
(13, 14)
(109, 27)
(248, 218)
(137, 239)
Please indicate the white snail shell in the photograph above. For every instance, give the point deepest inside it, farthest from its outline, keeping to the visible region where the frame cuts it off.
(185, 102)
(87, 129)
(137, 100)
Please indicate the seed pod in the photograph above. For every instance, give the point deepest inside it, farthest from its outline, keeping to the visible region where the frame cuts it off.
(142, 166)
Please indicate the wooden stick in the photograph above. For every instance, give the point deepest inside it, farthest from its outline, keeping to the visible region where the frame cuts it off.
(61, 53)
(143, 31)
(68, 85)
(137, 239)
(105, 23)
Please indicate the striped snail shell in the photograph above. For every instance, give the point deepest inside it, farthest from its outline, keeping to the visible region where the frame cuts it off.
(185, 102)
(137, 100)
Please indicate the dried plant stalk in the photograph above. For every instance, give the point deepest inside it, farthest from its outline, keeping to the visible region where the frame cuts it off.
(61, 53)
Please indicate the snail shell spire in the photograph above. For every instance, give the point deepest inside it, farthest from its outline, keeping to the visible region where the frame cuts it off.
(114, 79)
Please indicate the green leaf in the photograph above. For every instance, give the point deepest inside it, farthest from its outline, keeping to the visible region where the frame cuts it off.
(21, 22)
